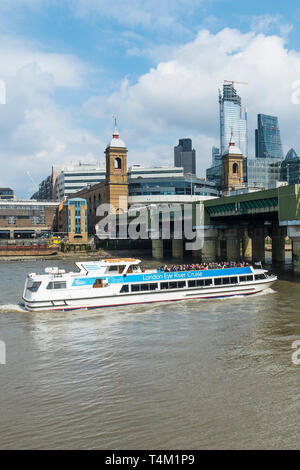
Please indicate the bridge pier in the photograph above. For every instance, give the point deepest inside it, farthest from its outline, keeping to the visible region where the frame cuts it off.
(296, 254)
(233, 249)
(293, 233)
(157, 249)
(278, 244)
(246, 247)
(208, 252)
(177, 248)
(233, 244)
(258, 244)
(209, 249)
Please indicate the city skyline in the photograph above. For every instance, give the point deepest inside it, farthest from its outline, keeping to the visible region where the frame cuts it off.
(61, 92)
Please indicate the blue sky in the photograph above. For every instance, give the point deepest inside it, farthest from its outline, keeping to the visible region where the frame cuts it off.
(69, 65)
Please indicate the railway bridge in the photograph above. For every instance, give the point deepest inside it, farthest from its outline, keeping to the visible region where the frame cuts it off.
(236, 227)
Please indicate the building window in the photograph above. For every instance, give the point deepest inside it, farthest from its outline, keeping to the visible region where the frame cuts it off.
(235, 168)
(118, 163)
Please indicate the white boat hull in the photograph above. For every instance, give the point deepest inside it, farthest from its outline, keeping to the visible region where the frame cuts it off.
(85, 301)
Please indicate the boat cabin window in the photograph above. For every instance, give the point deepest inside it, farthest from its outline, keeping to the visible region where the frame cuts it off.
(249, 278)
(98, 283)
(172, 285)
(113, 269)
(260, 276)
(144, 287)
(57, 285)
(226, 280)
(243, 278)
(33, 286)
(125, 288)
(200, 283)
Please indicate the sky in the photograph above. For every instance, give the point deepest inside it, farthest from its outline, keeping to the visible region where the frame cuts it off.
(68, 66)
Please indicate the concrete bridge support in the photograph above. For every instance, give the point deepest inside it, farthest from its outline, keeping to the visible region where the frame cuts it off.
(233, 249)
(208, 252)
(258, 244)
(157, 249)
(294, 233)
(209, 249)
(246, 247)
(233, 244)
(177, 248)
(296, 255)
(278, 244)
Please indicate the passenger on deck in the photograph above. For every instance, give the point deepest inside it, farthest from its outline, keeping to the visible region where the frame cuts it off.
(202, 266)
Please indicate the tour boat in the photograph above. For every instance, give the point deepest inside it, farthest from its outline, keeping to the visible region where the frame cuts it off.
(115, 282)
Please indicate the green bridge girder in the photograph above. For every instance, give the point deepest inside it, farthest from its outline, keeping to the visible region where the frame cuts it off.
(284, 200)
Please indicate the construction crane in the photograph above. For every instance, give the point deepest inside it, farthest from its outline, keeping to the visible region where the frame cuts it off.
(234, 81)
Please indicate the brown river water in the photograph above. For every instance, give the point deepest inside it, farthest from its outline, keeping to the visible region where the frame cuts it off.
(209, 374)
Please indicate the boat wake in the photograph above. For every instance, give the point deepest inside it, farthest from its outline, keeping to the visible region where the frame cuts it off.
(12, 308)
(240, 296)
(265, 292)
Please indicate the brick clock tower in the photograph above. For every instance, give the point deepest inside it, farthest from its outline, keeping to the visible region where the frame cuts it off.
(116, 184)
(232, 168)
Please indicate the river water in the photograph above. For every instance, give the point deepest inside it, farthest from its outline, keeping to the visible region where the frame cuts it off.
(188, 375)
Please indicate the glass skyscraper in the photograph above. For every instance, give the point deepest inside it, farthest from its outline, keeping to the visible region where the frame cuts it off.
(233, 119)
(185, 156)
(267, 137)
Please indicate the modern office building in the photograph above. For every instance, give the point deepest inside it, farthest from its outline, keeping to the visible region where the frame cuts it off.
(290, 168)
(139, 171)
(45, 191)
(74, 178)
(6, 193)
(267, 137)
(262, 173)
(214, 175)
(164, 180)
(185, 156)
(66, 180)
(72, 219)
(233, 120)
(216, 156)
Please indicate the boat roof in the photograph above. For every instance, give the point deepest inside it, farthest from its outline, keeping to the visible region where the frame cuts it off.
(95, 265)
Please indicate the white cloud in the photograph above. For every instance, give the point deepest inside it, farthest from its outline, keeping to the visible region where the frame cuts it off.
(65, 70)
(267, 24)
(179, 96)
(35, 132)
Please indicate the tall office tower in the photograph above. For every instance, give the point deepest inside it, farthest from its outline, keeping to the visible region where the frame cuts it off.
(185, 156)
(233, 119)
(267, 137)
(216, 156)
